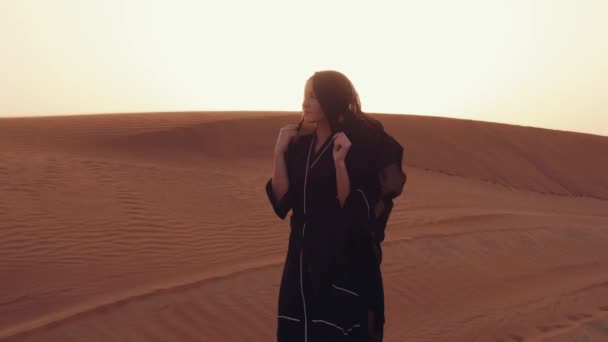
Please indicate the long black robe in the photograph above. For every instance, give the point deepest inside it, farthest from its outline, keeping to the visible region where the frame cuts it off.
(331, 288)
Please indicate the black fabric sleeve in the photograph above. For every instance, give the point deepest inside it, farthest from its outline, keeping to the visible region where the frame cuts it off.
(391, 178)
(280, 206)
(283, 205)
(358, 206)
(371, 195)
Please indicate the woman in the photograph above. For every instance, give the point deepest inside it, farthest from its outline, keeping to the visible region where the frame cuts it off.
(339, 182)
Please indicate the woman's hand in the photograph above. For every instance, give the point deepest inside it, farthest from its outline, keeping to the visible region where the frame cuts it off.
(341, 146)
(286, 135)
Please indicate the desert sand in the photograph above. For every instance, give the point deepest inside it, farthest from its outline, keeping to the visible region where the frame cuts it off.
(156, 227)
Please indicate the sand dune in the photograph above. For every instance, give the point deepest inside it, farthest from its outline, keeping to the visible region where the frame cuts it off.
(156, 227)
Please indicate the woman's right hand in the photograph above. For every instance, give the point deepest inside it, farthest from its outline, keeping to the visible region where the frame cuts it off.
(286, 135)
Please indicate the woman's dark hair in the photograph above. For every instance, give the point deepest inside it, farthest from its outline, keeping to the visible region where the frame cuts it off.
(340, 103)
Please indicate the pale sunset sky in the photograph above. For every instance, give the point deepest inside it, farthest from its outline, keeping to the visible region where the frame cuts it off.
(540, 63)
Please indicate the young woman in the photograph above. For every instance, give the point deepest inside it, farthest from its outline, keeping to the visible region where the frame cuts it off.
(339, 182)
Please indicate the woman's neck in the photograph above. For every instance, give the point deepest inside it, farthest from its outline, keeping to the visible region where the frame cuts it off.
(322, 131)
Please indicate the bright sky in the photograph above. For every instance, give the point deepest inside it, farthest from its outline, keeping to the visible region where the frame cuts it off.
(529, 62)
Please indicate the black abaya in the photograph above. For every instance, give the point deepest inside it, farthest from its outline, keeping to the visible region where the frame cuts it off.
(331, 283)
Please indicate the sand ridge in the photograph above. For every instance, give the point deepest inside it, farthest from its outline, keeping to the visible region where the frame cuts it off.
(123, 227)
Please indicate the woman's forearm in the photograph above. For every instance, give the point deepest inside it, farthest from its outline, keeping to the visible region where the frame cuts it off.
(280, 181)
(342, 182)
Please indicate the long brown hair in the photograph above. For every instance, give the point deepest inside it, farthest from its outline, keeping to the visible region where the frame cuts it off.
(340, 103)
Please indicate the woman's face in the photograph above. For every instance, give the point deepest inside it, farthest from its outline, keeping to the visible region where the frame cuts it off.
(313, 113)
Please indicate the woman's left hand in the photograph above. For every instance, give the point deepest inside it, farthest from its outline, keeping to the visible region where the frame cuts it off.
(341, 146)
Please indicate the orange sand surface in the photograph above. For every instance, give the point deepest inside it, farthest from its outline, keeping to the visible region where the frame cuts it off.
(156, 227)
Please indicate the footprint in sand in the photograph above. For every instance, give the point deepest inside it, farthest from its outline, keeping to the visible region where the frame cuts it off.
(509, 338)
(516, 338)
(552, 327)
(579, 316)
